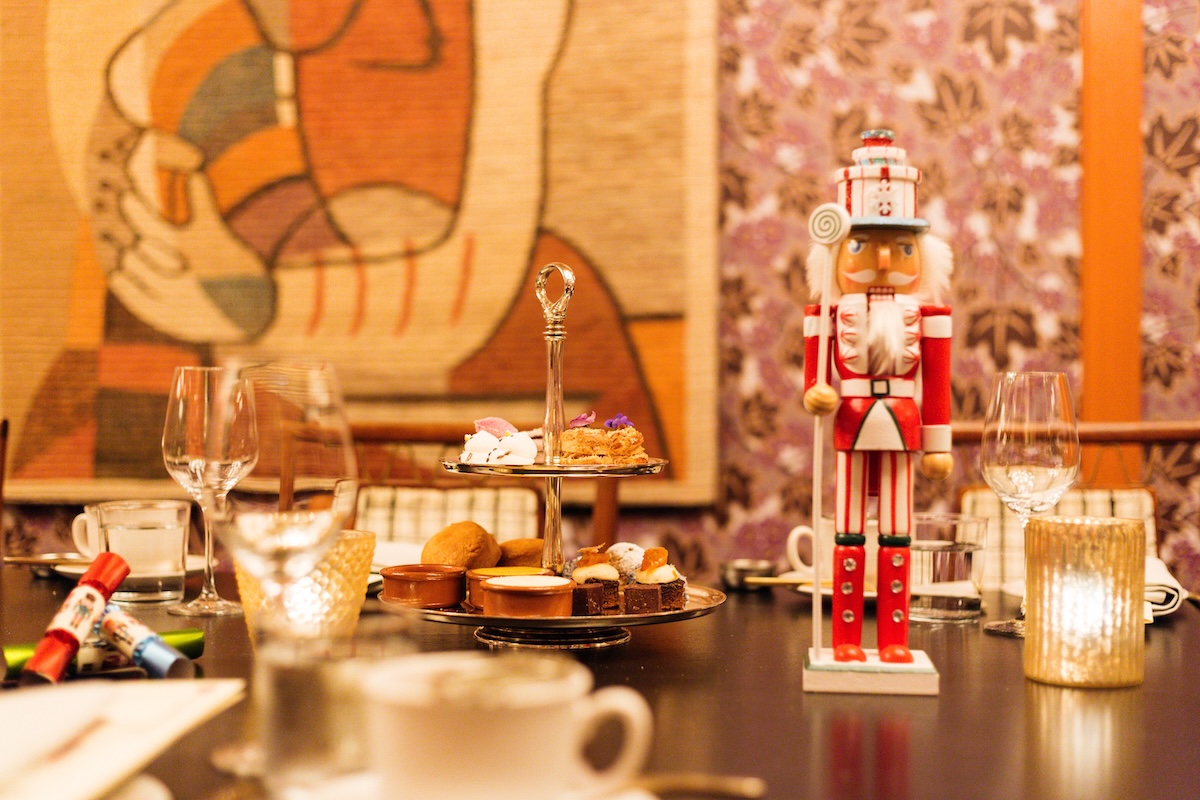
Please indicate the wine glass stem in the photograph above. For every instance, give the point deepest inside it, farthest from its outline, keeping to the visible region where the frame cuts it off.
(210, 504)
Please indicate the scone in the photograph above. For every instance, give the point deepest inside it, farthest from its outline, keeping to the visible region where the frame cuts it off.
(462, 544)
(521, 553)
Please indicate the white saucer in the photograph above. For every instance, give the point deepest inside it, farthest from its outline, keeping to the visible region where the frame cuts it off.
(194, 565)
(805, 586)
(365, 786)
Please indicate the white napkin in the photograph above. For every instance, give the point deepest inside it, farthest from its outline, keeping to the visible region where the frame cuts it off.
(389, 554)
(1163, 592)
(78, 741)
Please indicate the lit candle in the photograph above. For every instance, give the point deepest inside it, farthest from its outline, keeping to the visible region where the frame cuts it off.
(1084, 597)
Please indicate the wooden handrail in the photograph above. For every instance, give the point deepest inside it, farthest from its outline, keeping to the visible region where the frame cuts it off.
(1149, 432)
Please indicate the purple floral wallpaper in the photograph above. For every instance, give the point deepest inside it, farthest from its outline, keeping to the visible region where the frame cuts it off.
(1171, 284)
(983, 95)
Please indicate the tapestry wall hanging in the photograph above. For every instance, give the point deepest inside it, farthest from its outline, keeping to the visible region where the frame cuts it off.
(371, 182)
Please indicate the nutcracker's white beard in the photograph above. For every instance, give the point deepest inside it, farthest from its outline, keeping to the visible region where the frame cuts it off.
(885, 335)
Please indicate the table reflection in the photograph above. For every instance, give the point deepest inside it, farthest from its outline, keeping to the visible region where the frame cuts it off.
(1083, 742)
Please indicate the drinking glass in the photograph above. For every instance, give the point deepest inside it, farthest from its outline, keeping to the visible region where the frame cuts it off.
(1029, 455)
(283, 518)
(209, 442)
(280, 521)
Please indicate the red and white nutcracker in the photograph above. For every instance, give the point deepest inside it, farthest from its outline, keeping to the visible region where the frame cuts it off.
(881, 279)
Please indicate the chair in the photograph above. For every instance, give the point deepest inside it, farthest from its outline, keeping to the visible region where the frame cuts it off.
(405, 495)
(408, 456)
(3, 462)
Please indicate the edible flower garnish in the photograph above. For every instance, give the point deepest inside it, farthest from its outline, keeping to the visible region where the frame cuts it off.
(583, 420)
(619, 421)
(495, 426)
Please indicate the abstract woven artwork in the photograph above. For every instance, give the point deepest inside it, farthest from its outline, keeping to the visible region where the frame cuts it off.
(374, 183)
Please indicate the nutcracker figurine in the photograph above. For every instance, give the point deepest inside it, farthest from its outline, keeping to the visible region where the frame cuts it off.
(887, 337)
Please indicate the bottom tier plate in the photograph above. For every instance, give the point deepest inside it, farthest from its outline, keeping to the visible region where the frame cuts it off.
(567, 633)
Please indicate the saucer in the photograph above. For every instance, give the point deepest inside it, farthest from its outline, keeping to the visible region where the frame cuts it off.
(194, 565)
(805, 586)
(365, 786)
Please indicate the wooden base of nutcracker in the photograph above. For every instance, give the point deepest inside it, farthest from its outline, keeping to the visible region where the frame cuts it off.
(869, 677)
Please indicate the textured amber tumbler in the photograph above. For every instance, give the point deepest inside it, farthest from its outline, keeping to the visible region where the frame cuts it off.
(327, 601)
(1084, 594)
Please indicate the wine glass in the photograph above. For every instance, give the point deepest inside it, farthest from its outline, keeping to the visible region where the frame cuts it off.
(1029, 454)
(285, 516)
(209, 442)
(282, 519)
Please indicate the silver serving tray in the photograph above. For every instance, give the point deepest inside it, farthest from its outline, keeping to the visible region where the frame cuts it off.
(539, 470)
(701, 600)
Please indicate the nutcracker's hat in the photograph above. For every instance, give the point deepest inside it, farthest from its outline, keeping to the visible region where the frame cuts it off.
(880, 189)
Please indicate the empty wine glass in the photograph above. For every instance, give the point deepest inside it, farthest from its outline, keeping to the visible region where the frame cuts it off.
(209, 443)
(1029, 454)
(281, 520)
(285, 516)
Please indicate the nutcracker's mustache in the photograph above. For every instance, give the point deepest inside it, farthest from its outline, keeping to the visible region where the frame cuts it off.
(868, 276)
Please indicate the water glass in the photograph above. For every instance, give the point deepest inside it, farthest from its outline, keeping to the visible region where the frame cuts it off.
(152, 536)
(311, 718)
(947, 567)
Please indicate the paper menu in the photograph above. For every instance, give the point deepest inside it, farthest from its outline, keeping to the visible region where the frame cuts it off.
(78, 741)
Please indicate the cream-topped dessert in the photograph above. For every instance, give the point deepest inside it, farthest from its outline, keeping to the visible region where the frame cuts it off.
(512, 449)
(593, 567)
(657, 585)
(627, 558)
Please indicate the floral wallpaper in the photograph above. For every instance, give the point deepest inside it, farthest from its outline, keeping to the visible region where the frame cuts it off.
(983, 95)
(1170, 281)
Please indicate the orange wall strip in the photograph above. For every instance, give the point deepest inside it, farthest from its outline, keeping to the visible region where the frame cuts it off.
(1111, 223)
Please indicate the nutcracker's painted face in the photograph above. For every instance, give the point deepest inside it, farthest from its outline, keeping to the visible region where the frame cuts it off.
(881, 258)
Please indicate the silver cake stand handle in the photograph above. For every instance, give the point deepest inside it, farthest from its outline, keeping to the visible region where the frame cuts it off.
(555, 313)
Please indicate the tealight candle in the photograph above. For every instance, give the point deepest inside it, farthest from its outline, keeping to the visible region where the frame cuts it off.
(1084, 597)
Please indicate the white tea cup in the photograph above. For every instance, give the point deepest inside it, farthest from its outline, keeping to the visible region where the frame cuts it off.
(477, 726)
(803, 566)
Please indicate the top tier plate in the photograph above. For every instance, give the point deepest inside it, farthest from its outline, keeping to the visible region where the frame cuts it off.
(651, 467)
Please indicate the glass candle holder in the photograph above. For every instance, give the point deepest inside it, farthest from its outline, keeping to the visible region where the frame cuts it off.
(326, 602)
(1084, 595)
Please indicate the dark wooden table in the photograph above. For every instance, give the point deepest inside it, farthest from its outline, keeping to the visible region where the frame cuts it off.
(727, 699)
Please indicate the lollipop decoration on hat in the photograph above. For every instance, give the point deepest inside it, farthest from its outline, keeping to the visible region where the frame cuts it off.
(881, 328)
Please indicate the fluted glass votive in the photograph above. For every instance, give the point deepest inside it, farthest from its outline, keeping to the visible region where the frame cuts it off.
(326, 602)
(1084, 596)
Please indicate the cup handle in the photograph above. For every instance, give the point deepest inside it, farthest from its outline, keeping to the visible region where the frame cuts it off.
(79, 535)
(793, 549)
(625, 705)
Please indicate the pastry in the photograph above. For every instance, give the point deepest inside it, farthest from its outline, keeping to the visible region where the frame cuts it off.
(616, 443)
(587, 599)
(462, 544)
(627, 558)
(511, 449)
(593, 567)
(521, 553)
(656, 573)
(642, 598)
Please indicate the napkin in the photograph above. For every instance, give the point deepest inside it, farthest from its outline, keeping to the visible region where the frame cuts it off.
(388, 554)
(77, 741)
(1163, 592)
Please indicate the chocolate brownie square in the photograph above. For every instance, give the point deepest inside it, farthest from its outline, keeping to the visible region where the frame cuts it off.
(643, 598)
(587, 600)
(674, 595)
